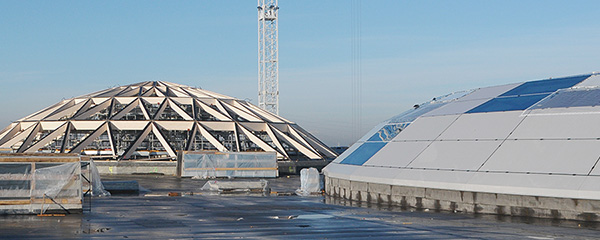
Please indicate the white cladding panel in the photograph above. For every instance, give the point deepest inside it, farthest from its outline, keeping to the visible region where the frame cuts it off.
(529, 184)
(397, 154)
(591, 183)
(564, 111)
(459, 155)
(457, 107)
(426, 128)
(489, 92)
(375, 174)
(592, 81)
(545, 156)
(522, 184)
(564, 186)
(433, 178)
(596, 171)
(542, 150)
(559, 126)
(493, 125)
(343, 171)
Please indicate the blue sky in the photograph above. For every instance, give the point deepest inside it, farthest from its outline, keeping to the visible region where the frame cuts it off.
(411, 51)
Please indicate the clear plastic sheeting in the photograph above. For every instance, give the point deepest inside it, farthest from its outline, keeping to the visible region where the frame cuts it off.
(15, 181)
(206, 165)
(50, 181)
(97, 186)
(310, 182)
(34, 187)
(92, 181)
(237, 186)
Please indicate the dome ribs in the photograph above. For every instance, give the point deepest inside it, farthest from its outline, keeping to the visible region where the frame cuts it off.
(157, 118)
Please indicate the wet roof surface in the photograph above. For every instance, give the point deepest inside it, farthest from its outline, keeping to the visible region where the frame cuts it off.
(155, 215)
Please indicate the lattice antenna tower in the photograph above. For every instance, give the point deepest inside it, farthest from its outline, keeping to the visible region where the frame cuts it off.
(268, 56)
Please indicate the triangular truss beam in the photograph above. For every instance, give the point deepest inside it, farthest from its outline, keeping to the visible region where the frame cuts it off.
(129, 114)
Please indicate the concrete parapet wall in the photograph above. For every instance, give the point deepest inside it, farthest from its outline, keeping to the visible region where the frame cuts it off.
(464, 201)
(136, 167)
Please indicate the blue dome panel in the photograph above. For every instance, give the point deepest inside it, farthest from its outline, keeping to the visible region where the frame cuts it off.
(508, 104)
(363, 153)
(545, 86)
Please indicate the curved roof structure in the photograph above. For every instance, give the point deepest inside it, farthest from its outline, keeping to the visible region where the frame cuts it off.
(157, 118)
(536, 138)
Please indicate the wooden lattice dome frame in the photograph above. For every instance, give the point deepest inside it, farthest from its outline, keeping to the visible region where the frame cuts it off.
(157, 118)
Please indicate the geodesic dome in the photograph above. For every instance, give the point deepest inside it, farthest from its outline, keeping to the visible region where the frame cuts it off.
(156, 119)
(538, 138)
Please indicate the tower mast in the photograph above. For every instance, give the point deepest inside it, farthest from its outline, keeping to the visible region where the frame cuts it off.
(268, 56)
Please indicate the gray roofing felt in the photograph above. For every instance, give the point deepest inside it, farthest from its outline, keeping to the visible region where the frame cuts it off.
(202, 216)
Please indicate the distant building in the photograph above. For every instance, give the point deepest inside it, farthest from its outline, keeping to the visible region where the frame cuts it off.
(339, 150)
(526, 149)
(154, 120)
